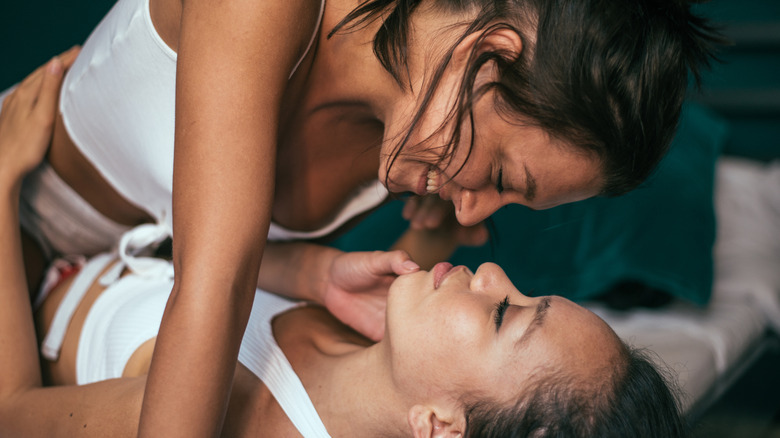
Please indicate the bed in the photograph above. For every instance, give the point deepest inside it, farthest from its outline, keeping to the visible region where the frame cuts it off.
(708, 348)
(727, 281)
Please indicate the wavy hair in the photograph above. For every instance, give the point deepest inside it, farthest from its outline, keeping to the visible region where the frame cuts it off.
(607, 77)
(633, 400)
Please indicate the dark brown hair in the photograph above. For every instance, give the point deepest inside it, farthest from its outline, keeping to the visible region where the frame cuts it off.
(608, 77)
(633, 400)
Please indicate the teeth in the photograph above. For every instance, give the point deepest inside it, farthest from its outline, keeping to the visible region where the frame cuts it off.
(432, 187)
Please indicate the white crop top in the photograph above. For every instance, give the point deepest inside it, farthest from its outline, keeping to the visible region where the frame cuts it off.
(129, 312)
(118, 106)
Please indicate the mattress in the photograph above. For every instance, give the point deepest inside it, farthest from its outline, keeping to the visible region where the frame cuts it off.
(706, 348)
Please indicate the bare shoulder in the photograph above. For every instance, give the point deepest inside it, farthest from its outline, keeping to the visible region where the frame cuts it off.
(294, 19)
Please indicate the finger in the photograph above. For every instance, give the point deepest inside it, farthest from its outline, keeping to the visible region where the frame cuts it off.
(49, 91)
(400, 262)
(410, 208)
(69, 56)
(66, 58)
(417, 222)
(377, 335)
(382, 263)
(434, 216)
(419, 218)
(33, 78)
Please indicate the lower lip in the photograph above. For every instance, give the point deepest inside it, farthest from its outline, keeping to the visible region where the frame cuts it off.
(439, 271)
(422, 185)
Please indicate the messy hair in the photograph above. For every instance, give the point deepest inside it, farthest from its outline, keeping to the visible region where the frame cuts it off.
(607, 77)
(634, 399)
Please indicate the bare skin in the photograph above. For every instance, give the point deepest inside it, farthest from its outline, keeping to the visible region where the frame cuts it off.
(264, 110)
(323, 131)
(324, 353)
(313, 139)
(252, 410)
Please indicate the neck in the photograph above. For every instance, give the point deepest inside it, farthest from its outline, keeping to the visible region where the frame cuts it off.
(348, 378)
(355, 395)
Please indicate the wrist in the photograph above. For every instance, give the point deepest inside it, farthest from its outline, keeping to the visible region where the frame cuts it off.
(319, 273)
(10, 180)
(10, 186)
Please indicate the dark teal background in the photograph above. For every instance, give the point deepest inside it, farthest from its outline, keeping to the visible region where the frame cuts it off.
(744, 90)
(33, 31)
(659, 235)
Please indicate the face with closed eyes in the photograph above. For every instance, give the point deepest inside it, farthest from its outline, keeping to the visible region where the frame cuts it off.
(511, 162)
(452, 332)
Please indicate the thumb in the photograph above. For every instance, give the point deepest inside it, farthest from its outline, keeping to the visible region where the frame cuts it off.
(401, 263)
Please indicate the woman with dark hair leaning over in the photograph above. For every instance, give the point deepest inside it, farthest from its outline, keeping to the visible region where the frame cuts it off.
(465, 354)
(216, 121)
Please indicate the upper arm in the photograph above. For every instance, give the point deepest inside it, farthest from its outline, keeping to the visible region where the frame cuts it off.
(234, 58)
(234, 61)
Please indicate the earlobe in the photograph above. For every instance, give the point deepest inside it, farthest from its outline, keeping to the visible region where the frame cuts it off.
(425, 423)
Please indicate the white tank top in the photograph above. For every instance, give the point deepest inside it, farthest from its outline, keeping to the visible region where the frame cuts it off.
(118, 105)
(129, 312)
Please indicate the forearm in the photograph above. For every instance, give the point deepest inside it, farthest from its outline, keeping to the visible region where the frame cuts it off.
(19, 368)
(296, 269)
(229, 87)
(195, 356)
(218, 245)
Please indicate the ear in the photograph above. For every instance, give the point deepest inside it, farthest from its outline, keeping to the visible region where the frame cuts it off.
(425, 423)
(503, 40)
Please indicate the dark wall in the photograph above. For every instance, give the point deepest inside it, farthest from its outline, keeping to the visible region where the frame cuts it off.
(745, 88)
(31, 32)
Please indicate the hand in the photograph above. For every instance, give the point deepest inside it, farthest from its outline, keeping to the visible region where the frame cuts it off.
(356, 288)
(27, 118)
(434, 214)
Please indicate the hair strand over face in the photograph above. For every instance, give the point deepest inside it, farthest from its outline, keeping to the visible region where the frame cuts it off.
(607, 77)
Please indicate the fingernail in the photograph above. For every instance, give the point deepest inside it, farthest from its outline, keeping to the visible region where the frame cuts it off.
(55, 65)
(410, 266)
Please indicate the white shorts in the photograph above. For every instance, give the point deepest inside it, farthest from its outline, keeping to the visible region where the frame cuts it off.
(60, 220)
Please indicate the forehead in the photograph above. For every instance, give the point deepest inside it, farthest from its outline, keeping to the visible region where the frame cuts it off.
(570, 340)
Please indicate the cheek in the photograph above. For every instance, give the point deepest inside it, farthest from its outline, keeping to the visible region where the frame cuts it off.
(472, 170)
(465, 327)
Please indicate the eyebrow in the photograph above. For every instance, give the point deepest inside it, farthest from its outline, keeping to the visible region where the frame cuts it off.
(530, 185)
(536, 322)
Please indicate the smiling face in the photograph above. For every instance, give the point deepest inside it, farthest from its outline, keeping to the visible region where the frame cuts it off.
(451, 332)
(510, 163)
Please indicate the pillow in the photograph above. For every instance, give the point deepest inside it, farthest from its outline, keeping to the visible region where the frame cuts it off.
(660, 235)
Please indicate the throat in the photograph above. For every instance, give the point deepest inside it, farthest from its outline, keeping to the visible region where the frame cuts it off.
(335, 365)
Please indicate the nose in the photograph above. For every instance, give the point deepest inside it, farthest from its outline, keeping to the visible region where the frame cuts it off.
(490, 278)
(474, 206)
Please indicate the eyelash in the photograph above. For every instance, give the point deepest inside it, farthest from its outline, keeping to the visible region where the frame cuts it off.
(500, 180)
(501, 307)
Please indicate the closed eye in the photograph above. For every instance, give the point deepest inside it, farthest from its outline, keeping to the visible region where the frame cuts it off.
(501, 307)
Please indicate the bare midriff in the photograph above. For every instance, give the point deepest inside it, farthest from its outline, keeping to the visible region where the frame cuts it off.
(66, 159)
(63, 370)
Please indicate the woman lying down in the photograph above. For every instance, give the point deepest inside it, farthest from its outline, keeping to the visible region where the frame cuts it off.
(464, 354)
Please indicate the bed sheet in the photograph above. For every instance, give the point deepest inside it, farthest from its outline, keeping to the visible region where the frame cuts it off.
(702, 347)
